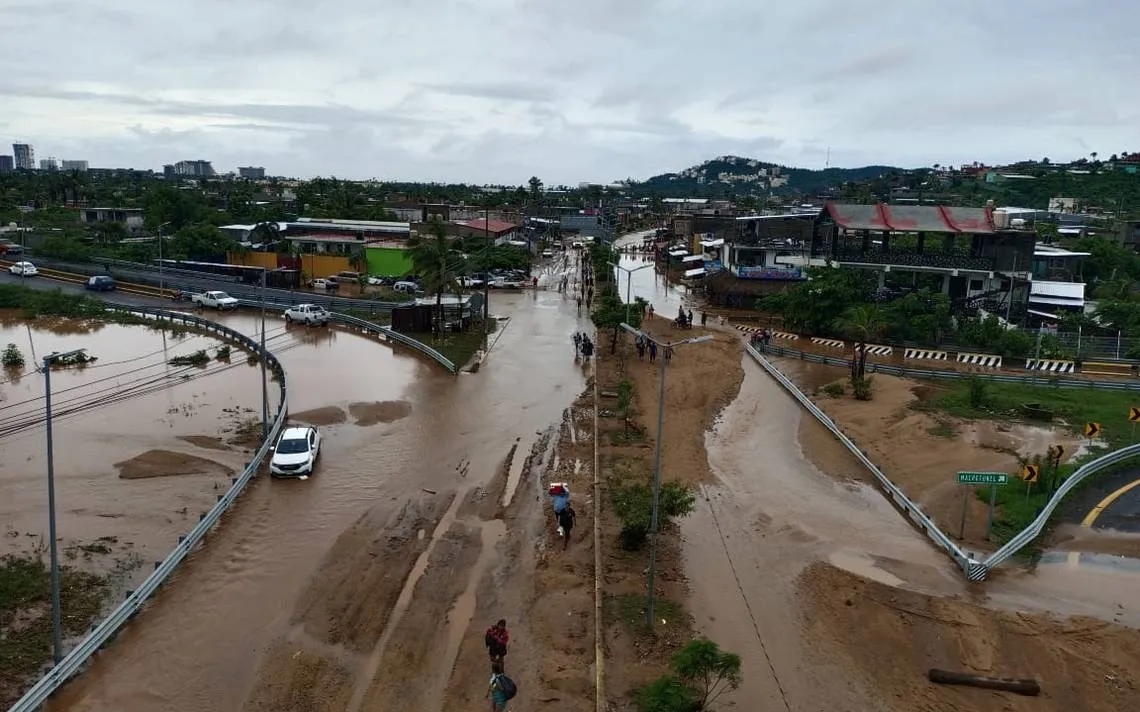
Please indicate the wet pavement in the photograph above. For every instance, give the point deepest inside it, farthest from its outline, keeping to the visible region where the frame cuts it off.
(237, 595)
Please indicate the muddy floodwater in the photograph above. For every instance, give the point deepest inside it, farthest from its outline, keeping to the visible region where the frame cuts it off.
(129, 475)
(647, 282)
(394, 424)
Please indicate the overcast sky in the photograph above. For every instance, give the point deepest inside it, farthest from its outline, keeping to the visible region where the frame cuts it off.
(569, 90)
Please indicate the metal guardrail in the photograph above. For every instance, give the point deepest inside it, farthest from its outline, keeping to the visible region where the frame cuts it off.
(1052, 381)
(917, 517)
(1038, 525)
(73, 662)
(390, 333)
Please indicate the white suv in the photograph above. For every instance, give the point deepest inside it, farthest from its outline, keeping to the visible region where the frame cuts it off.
(307, 314)
(296, 452)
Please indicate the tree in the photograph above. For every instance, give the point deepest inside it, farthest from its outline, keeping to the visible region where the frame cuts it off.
(535, 186)
(700, 673)
(359, 262)
(437, 262)
(861, 324)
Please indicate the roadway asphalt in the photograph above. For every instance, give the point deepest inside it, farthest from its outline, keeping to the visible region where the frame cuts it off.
(49, 284)
(1123, 514)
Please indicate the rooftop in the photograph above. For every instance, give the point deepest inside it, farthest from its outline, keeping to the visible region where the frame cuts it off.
(911, 218)
(400, 228)
(494, 226)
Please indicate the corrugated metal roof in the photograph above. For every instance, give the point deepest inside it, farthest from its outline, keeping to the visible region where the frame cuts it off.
(1064, 290)
(698, 272)
(693, 258)
(496, 226)
(915, 218)
(857, 217)
(910, 218)
(970, 220)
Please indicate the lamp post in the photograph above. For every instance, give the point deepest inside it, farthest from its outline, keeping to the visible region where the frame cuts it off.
(56, 614)
(161, 276)
(486, 274)
(666, 350)
(264, 381)
(629, 284)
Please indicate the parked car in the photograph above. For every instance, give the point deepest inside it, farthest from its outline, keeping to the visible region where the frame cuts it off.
(327, 283)
(296, 452)
(471, 281)
(312, 314)
(24, 269)
(100, 283)
(407, 288)
(215, 300)
(347, 277)
(505, 283)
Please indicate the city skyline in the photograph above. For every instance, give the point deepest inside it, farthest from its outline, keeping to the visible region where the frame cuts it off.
(497, 91)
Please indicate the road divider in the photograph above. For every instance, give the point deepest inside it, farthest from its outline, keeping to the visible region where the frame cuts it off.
(102, 633)
(929, 354)
(1050, 365)
(983, 360)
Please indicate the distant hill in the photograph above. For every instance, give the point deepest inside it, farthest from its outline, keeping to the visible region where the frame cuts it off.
(732, 175)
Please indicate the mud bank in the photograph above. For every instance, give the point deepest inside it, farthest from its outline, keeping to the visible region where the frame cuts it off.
(165, 463)
(893, 636)
(329, 415)
(700, 380)
(367, 414)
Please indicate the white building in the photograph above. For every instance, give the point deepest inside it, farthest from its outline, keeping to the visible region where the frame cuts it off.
(80, 166)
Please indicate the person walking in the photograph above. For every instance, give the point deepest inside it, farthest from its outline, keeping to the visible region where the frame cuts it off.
(639, 343)
(579, 305)
(704, 319)
(566, 524)
(496, 641)
(652, 352)
(650, 311)
(690, 317)
(497, 689)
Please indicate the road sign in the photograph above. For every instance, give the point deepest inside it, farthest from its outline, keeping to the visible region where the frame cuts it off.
(982, 478)
(1134, 414)
(1092, 430)
(1030, 473)
(1056, 452)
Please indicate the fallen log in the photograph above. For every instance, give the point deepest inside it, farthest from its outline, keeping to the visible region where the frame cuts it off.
(1029, 688)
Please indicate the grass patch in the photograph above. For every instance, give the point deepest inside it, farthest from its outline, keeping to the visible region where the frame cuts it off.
(460, 347)
(977, 399)
(25, 616)
(629, 610)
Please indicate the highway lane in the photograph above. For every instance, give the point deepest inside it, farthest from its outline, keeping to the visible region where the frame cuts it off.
(40, 283)
(1111, 502)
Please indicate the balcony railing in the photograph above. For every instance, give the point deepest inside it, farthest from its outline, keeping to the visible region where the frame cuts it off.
(941, 260)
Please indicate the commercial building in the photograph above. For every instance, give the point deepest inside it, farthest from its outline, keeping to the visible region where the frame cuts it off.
(131, 218)
(49, 164)
(252, 172)
(193, 169)
(7, 165)
(80, 166)
(25, 156)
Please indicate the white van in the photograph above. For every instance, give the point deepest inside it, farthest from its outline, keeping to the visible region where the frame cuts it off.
(407, 288)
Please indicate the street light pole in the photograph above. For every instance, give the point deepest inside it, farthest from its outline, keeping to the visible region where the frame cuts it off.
(264, 381)
(486, 275)
(654, 521)
(161, 275)
(629, 284)
(56, 607)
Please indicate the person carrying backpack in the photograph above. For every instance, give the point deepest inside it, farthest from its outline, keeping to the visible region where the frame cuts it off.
(501, 689)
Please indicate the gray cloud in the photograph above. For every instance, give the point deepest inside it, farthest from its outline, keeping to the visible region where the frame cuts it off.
(499, 90)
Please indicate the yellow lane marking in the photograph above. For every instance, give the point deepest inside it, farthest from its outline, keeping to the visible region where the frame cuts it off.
(1107, 502)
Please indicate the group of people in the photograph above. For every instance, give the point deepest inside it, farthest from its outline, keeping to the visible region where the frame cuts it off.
(583, 346)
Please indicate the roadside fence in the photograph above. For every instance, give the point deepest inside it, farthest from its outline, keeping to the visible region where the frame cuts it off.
(104, 631)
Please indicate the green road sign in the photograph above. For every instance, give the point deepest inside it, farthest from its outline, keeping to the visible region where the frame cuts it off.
(982, 478)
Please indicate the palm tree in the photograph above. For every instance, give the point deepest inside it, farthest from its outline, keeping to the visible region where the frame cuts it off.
(861, 324)
(437, 261)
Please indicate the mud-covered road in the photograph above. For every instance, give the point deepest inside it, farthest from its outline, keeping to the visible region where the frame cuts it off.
(323, 594)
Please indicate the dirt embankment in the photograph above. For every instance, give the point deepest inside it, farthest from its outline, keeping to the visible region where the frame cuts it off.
(700, 380)
(395, 617)
(165, 463)
(363, 414)
(921, 451)
(893, 636)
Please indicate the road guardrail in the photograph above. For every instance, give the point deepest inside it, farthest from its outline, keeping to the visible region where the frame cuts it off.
(914, 513)
(393, 335)
(930, 374)
(99, 636)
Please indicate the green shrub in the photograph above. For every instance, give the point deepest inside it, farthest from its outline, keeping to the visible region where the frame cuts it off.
(12, 358)
(700, 673)
(861, 388)
(633, 504)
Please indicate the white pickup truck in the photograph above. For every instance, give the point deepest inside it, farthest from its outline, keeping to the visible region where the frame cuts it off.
(215, 300)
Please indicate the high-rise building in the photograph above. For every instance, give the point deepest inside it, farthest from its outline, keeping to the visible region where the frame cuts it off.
(193, 168)
(168, 171)
(7, 165)
(49, 164)
(252, 172)
(80, 166)
(25, 156)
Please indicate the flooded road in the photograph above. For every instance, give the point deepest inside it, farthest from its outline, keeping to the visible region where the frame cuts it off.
(129, 402)
(775, 513)
(236, 596)
(647, 282)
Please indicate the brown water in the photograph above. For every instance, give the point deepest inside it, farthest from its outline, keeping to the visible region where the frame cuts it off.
(126, 403)
(237, 595)
(774, 513)
(647, 282)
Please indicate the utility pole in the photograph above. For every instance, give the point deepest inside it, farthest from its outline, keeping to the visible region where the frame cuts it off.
(161, 275)
(629, 284)
(486, 274)
(264, 380)
(666, 348)
(56, 606)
